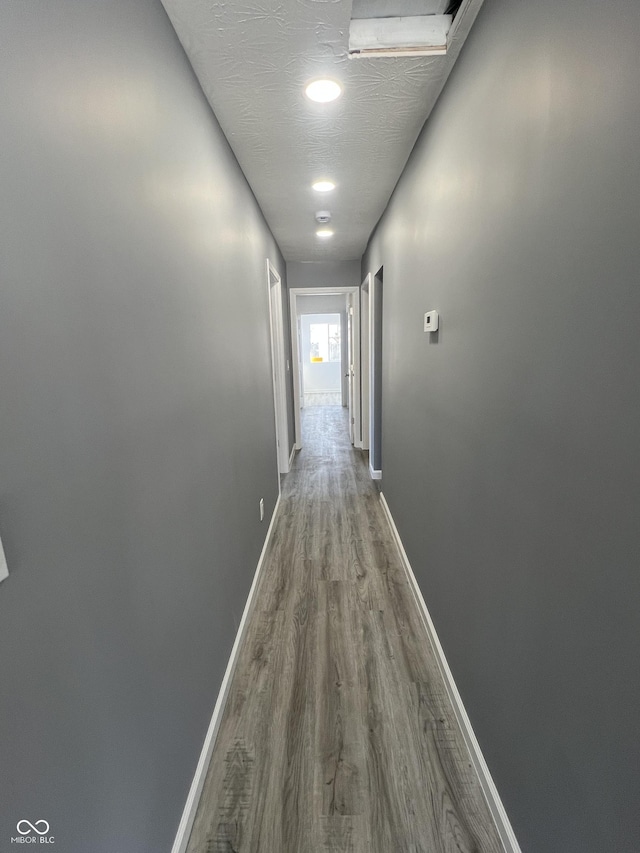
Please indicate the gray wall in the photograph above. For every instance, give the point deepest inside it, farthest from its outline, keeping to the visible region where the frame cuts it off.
(511, 439)
(136, 425)
(323, 274)
(324, 303)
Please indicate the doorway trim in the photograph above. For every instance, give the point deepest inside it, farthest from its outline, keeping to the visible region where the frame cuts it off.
(278, 373)
(375, 344)
(294, 292)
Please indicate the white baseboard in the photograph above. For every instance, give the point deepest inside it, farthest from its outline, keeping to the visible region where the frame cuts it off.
(293, 453)
(375, 475)
(193, 798)
(505, 830)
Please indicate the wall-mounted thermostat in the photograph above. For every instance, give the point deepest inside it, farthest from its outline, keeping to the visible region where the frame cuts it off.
(431, 321)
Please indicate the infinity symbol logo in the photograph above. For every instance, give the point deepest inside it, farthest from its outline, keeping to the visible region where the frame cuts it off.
(33, 827)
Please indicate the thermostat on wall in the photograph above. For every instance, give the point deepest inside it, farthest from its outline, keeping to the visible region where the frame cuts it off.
(431, 321)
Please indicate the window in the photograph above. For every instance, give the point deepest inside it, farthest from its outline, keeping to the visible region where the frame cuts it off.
(325, 341)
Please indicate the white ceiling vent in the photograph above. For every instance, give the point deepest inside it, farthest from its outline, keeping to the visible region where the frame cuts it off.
(381, 28)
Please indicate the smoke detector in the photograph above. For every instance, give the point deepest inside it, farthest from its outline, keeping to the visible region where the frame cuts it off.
(323, 217)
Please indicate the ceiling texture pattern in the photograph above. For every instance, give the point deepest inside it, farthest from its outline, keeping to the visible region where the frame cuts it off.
(253, 59)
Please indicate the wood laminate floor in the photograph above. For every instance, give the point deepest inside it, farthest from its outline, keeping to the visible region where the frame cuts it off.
(338, 734)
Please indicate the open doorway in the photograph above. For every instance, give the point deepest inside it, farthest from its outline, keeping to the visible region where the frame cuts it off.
(325, 330)
(321, 358)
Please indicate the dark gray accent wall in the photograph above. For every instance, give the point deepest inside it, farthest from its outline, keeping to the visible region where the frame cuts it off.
(136, 420)
(511, 438)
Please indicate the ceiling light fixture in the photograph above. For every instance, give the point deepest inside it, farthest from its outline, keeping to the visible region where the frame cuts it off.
(323, 186)
(323, 233)
(323, 91)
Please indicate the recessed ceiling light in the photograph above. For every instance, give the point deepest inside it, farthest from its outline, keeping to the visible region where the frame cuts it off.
(324, 233)
(323, 186)
(323, 91)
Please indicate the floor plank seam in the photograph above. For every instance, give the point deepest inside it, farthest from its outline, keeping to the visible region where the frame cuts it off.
(337, 735)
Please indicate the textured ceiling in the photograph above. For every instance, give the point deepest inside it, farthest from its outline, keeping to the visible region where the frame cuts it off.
(253, 59)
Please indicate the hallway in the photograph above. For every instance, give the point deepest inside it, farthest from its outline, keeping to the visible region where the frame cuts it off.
(337, 734)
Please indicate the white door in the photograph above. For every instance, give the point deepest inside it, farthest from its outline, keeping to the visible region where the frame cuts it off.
(278, 367)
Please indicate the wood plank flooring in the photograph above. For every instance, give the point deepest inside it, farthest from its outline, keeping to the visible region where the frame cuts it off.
(338, 734)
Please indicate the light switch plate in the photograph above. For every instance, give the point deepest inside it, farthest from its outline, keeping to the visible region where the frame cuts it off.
(431, 321)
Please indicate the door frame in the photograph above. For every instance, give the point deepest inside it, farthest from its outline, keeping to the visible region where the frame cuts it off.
(278, 369)
(294, 292)
(374, 378)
